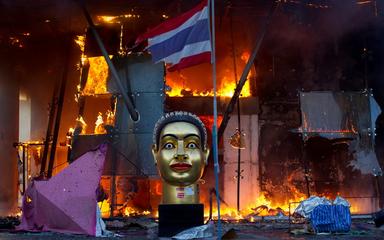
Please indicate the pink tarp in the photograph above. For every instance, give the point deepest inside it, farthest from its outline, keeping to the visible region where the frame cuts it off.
(66, 203)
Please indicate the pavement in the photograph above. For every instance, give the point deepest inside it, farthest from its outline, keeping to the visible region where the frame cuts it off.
(146, 228)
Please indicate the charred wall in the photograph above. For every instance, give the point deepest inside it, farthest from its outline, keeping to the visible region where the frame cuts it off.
(315, 50)
(280, 152)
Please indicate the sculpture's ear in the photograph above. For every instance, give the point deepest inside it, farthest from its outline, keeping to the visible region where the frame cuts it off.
(154, 153)
(206, 155)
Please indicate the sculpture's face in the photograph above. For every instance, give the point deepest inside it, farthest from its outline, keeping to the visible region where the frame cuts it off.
(180, 156)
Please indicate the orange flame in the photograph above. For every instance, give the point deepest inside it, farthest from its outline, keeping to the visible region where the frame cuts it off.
(305, 128)
(80, 41)
(226, 88)
(104, 208)
(245, 56)
(260, 207)
(130, 211)
(116, 19)
(108, 19)
(180, 85)
(97, 77)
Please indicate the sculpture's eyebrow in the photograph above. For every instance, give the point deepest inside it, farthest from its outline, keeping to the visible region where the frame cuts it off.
(191, 135)
(186, 136)
(169, 135)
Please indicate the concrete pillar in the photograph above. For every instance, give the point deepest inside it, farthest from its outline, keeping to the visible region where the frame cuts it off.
(9, 123)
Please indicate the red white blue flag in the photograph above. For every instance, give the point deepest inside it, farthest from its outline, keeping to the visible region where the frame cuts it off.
(183, 41)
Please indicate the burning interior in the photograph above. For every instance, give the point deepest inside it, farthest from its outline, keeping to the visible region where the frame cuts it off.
(305, 124)
(330, 154)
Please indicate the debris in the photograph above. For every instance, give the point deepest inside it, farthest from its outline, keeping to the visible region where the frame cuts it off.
(306, 207)
(378, 218)
(230, 234)
(115, 224)
(260, 209)
(9, 222)
(67, 202)
(131, 223)
(341, 201)
(358, 233)
(101, 229)
(301, 231)
(203, 231)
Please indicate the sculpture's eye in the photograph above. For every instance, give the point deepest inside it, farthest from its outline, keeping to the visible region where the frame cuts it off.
(169, 146)
(192, 145)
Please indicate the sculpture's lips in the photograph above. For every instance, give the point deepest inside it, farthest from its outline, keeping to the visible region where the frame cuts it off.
(181, 167)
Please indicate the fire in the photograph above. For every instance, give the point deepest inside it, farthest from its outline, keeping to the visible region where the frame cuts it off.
(362, 205)
(110, 118)
(181, 85)
(245, 56)
(80, 41)
(355, 209)
(130, 15)
(99, 125)
(98, 71)
(305, 128)
(116, 19)
(18, 213)
(208, 120)
(71, 130)
(97, 77)
(34, 143)
(260, 207)
(226, 88)
(130, 211)
(104, 208)
(263, 206)
(108, 19)
(81, 124)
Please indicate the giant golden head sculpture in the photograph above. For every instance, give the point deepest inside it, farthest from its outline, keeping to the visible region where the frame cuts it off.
(180, 152)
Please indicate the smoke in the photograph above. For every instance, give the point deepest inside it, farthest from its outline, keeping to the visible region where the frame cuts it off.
(306, 38)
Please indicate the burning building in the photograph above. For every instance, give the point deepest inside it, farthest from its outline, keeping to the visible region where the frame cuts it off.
(280, 146)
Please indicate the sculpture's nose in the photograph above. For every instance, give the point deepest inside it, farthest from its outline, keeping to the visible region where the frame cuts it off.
(180, 154)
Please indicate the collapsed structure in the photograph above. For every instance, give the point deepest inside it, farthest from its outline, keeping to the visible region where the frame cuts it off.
(299, 134)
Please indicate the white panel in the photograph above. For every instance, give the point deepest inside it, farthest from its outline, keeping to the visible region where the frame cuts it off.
(24, 118)
(249, 185)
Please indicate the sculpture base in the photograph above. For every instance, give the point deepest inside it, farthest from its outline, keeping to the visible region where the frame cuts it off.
(174, 218)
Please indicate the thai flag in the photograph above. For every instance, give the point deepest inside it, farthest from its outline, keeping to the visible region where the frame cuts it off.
(182, 41)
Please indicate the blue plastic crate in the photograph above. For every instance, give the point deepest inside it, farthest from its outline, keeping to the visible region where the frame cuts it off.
(331, 218)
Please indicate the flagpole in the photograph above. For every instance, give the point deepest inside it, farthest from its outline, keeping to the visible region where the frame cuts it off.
(211, 4)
